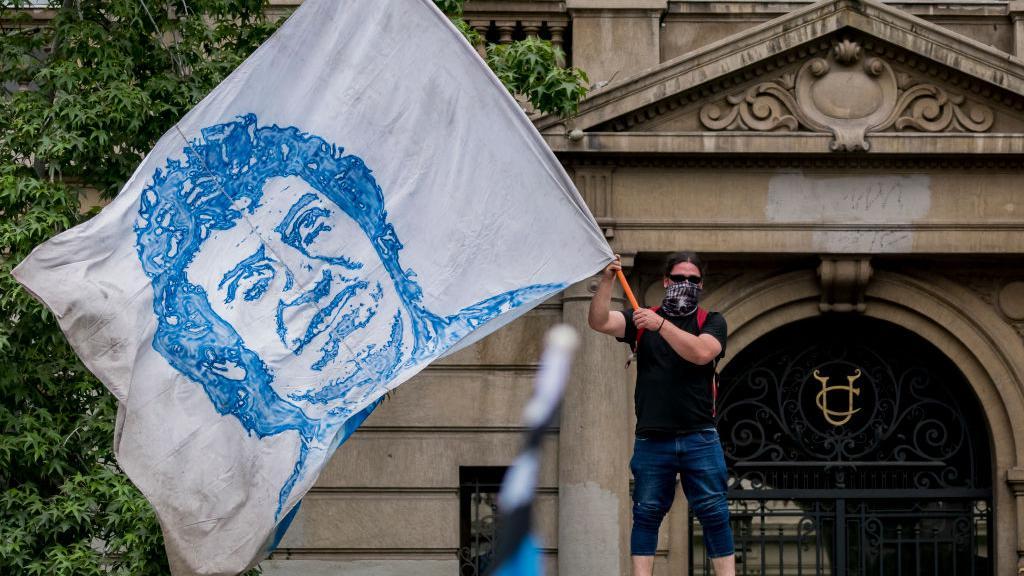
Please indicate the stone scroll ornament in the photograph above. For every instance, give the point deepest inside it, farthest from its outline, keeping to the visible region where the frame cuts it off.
(848, 95)
(323, 225)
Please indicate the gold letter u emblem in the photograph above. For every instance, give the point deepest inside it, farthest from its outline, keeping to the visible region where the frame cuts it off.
(836, 417)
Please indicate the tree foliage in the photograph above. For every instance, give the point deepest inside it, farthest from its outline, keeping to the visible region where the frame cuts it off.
(528, 67)
(88, 86)
(85, 95)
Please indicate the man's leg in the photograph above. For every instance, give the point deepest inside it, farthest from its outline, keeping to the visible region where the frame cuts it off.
(725, 565)
(643, 565)
(654, 474)
(705, 483)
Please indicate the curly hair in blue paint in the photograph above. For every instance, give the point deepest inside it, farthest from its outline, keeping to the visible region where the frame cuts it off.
(189, 201)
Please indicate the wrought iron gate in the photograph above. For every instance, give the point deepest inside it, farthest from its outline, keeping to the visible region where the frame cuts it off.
(478, 517)
(854, 448)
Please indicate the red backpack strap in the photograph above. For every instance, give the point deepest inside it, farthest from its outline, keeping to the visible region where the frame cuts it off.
(702, 316)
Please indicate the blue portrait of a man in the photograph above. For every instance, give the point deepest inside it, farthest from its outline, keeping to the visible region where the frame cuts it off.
(278, 288)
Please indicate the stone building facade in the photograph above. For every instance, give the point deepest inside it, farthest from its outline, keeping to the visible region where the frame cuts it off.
(853, 171)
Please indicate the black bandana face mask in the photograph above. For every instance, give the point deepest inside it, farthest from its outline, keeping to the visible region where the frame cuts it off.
(680, 299)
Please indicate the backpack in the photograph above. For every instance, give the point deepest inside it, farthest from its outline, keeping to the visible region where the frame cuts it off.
(702, 316)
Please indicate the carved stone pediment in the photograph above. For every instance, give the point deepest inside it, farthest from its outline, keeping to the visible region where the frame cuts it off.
(839, 75)
(848, 93)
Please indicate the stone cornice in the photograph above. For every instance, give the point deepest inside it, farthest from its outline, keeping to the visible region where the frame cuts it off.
(620, 13)
(990, 163)
(616, 4)
(882, 143)
(805, 238)
(516, 10)
(516, 6)
(752, 9)
(720, 225)
(1015, 478)
(784, 34)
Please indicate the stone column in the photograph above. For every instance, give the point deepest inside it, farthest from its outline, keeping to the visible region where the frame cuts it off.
(1016, 10)
(1015, 478)
(505, 31)
(557, 38)
(593, 448)
(481, 27)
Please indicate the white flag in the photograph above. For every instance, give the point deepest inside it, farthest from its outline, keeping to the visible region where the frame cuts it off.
(360, 197)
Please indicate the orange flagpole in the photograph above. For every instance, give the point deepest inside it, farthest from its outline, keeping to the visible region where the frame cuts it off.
(627, 289)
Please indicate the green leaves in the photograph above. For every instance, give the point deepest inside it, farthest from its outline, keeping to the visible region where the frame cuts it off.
(83, 98)
(530, 67)
(451, 8)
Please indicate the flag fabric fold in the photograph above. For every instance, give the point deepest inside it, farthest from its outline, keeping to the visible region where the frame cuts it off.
(358, 198)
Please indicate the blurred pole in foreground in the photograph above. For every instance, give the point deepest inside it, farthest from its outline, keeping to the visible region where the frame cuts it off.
(517, 552)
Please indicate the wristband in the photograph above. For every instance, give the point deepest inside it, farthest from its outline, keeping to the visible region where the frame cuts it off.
(660, 325)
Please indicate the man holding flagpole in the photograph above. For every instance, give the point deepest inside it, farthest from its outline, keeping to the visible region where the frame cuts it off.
(677, 346)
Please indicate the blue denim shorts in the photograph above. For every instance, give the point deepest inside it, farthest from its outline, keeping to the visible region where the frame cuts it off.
(698, 460)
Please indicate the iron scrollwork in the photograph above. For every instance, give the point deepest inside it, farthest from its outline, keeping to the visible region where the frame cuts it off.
(853, 445)
(478, 495)
(894, 422)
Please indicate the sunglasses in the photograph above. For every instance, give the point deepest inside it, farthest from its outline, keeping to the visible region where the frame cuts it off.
(676, 278)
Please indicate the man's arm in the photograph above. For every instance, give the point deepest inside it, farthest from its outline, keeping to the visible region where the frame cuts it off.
(601, 317)
(699, 350)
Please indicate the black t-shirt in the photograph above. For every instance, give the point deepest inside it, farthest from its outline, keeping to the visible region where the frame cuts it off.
(673, 395)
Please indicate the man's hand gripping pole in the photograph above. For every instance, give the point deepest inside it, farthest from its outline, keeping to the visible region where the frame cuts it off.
(627, 289)
(632, 302)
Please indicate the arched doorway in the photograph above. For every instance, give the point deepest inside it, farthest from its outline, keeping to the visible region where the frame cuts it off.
(855, 448)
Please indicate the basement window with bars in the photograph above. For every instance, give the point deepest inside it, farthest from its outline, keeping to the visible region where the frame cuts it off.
(478, 516)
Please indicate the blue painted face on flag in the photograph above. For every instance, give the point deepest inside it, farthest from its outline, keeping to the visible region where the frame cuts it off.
(277, 285)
